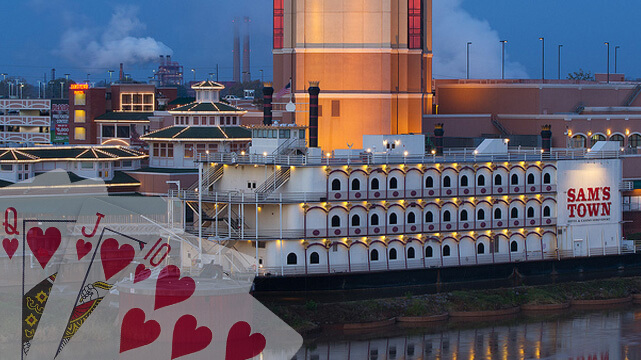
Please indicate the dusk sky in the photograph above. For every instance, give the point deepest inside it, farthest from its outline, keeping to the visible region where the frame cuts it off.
(81, 37)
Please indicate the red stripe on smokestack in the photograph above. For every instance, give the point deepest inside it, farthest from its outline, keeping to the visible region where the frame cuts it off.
(313, 90)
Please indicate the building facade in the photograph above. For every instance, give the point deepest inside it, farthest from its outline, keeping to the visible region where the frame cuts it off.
(25, 121)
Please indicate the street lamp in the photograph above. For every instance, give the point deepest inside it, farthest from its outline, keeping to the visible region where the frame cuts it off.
(616, 70)
(62, 91)
(608, 61)
(110, 73)
(88, 74)
(542, 58)
(261, 76)
(560, 46)
(211, 76)
(21, 93)
(503, 42)
(194, 71)
(467, 60)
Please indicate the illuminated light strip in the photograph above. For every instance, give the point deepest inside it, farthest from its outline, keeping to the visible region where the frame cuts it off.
(11, 187)
(122, 121)
(197, 140)
(223, 131)
(71, 159)
(25, 154)
(180, 132)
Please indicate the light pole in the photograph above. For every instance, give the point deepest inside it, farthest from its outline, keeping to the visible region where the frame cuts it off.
(110, 73)
(62, 90)
(560, 46)
(194, 72)
(39, 86)
(4, 79)
(262, 79)
(211, 76)
(88, 74)
(608, 61)
(503, 42)
(616, 69)
(177, 183)
(467, 60)
(67, 77)
(542, 39)
(21, 93)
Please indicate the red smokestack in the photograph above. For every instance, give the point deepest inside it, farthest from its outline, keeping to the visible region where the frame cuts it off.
(313, 90)
(122, 72)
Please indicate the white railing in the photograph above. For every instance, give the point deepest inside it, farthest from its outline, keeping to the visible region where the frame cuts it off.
(19, 120)
(6, 136)
(35, 104)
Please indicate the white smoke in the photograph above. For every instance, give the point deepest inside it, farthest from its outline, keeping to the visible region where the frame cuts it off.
(453, 27)
(117, 44)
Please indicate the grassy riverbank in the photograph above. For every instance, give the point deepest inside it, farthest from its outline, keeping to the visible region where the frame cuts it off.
(312, 315)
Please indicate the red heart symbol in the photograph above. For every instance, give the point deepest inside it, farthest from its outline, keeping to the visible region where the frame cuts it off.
(188, 338)
(83, 248)
(10, 246)
(171, 289)
(44, 245)
(114, 257)
(241, 345)
(135, 332)
(142, 273)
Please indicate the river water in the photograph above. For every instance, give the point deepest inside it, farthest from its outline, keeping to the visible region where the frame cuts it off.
(568, 335)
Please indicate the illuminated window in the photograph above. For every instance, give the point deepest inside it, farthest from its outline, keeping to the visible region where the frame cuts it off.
(80, 133)
(595, 138)
(578, 142)
(79, 98)
(415, 27)
(279, 23)
(79, 116)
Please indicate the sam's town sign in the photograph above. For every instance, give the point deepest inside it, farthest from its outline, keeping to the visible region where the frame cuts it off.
(588, 202)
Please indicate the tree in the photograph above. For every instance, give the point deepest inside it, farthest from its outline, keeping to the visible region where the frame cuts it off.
(581, 75)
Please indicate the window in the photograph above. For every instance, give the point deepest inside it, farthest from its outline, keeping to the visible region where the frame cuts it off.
(80, 133)
(189, 150)
(480, 248)
(137, 102)
(530, 179)
(619, 138)
(634, 141)
(447, 182)
(595, 138)
(356, 220)
(374, 220)
(514, 246)
(393, 183)
(279, 24)
(547, 178)
(393, 255)
(393, 219)
(515, 179)
(336, 221)
(530, 212)
(464, 182)
(356, 185)
(429, 182)
(122, 131)
(6, 167)
(480, 215)
(336, 108)
(79, 98)
(411, 218)
(497, 213)
(336, 185)
(577, 141)
(79, 116)
(314, 258)
(375, 184)
(411, 253)
(292, 259)
(546, 211)
(373, 255)
(464, 215)
(429, 252)
(446, 250)
(415, 25)
(108, 131)
(481, 180)
(86, 165)
(429, 217)
(447, 217)
(498, 180)
(514, 213)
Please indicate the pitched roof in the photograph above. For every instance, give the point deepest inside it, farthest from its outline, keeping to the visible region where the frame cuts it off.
(124, 116)
(208, 107)
(208, 84)
(181, 133)
(182, 100)
(10, 155)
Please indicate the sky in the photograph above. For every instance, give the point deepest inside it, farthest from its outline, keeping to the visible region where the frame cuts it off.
(92, 37)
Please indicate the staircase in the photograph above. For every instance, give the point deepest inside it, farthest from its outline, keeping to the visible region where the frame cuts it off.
(497, 124)
(210, 177)
(273, 183)
(579, 108)
(290, 147)
(633, 96)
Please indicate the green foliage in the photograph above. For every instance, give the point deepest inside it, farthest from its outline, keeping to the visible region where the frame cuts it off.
(581, 75)
(311, 305)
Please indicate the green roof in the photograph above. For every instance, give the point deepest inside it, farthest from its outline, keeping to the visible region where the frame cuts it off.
(64, 153)
(122, 178)
(165, 171)
(182, 100)
(199, 132)
(124, 116)
(208, 107)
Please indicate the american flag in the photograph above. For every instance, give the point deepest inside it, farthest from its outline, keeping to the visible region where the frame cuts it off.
(284, 91)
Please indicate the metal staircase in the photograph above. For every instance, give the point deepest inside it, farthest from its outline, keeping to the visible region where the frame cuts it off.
(579, 108)
(633, 96)
(273, 183)
(497, 124)
(210, 177)
(290, 147)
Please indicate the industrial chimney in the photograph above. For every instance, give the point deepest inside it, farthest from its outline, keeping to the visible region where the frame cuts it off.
(236, 53)
(122, 72)
(268, 92)
(53, 74)
(313, 90)
(162, 60)
(247, 77)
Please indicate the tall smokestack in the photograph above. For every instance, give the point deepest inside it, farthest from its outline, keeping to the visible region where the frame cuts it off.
(313, 90)
(236, 52)
(122, 72)
(168, 57)
(438, 138)
(162, 60)
(268, 92)
(247, 77)
(546, 139)
(53, 74)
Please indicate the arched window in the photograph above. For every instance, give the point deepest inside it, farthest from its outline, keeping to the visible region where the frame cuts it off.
(530, 179)
(356, 220)
(393, 219)
(480, 248)
(393, 183)
(481, 180)
(595, 138)
(336, 185)
(373, 255)
(375, 184)
(356, 185)
(374, 219)
(577, 142)
(336, 221)
(392, 254)
(411, 253)
(634, 141)
(292, 259)
(411, 218)
(447, 216)
(429, 182)
(447, 182)
(314, 258)
(546, 211)
(619, 138)
(497, 213)
(498, 180)
(515, 179)
(514, 213)
(464, 182)
(514, 246)
(429, 217)
(463, 215)
(530, 212)
(446, 250)
(547, 179)
(429, 252)
(480, 215)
